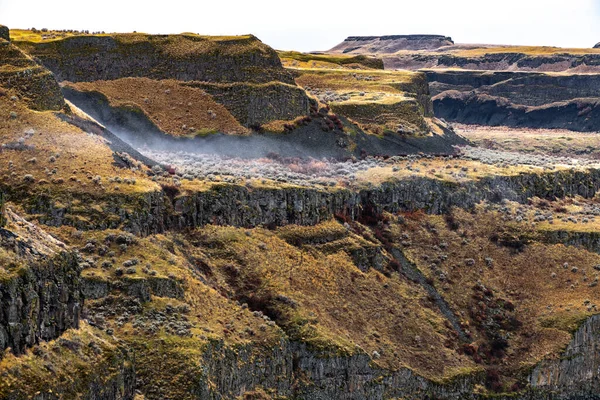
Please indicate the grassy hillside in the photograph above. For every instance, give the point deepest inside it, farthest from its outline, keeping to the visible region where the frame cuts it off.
(294, 59)
(378, 101)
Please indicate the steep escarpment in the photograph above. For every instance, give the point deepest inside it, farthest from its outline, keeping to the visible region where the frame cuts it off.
(39, 287)
(473, 108)
(315, 136)
(34, 84)
(240, 73)
(576, 369)
(391, 44)
(392, 102)
(183, 57)
(526, 88)
(241, 206)
(258, 104)
(517, 99)
(495, 58)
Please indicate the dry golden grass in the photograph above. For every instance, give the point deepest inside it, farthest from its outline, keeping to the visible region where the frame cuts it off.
(546, 304)
(293, 59)
(339, 308)
(356, 80)
(176, 109)
(61, 369)
(75, 156)
(36, 37)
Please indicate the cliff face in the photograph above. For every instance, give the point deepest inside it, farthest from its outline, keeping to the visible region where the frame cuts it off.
(472, 108)
(257, 104)
(530, 89)
(243, 207)
(31, 82)
(517, 60)
(575, 374)
(391, 44)
(293, 370)
(517, 99)
(181, 57)
(4, 33)
(39, 287)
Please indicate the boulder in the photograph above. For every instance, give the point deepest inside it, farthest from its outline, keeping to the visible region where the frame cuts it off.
(4, 33)
(597, 46)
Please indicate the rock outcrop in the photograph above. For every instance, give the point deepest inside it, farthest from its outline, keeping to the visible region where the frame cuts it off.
(39, 287)
(31, 82)
(501, 61)
(597, 46)
(239, 206)
(4, 33)
(257, 104)
(482, 109)
(324, 377)
(525, 88)
(575, 374)
(391, 44)
(183, 57)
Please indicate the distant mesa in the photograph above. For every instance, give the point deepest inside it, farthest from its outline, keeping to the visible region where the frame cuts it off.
(4, 33)
(391, 44)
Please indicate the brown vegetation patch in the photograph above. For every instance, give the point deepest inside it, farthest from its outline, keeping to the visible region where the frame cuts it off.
(176, 109)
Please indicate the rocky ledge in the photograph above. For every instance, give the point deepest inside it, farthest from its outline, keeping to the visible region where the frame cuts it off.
(237, 205)
(4, 33)
(39, 286)
(575, 374)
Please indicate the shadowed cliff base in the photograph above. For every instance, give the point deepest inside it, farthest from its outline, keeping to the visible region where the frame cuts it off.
(310, 140)
(577, 115)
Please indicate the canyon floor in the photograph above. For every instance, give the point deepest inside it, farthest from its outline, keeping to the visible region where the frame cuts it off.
(193, 217)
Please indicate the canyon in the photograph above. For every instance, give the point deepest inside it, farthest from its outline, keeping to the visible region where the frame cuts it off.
(194, 217)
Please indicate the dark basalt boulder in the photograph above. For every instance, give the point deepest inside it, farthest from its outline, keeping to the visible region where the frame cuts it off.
(4, 33)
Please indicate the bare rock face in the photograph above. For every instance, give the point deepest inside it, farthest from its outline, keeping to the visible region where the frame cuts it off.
(4, 33)
(39, 286)
(576, 371)
(391, 44)
(34, 84)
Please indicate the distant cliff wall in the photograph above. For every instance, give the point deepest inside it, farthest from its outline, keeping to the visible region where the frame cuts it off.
(391, 44)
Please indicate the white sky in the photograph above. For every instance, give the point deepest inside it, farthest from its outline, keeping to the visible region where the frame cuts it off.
(319, 25)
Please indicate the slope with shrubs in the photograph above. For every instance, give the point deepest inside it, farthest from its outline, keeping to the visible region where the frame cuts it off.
(378, 101)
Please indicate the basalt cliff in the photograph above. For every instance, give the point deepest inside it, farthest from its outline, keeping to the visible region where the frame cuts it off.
(192, 217)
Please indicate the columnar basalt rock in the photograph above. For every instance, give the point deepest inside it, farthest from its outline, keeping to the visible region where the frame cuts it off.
(228, 204)
(183, 57)
(40, 288)
(575, 374)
